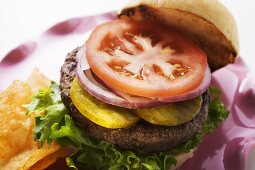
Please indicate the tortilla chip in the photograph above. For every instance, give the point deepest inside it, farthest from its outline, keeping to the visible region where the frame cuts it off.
(18, 149)
(18, 160)
(37, 80)
(44, 157)
(16, 127)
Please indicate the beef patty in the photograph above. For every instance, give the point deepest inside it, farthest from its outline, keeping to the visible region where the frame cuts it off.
(141, 137)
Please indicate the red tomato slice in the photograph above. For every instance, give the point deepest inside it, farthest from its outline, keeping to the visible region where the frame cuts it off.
(145, 59)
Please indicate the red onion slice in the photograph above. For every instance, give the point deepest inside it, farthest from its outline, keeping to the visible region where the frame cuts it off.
(192, 94)
(163, 100)
(143, 101)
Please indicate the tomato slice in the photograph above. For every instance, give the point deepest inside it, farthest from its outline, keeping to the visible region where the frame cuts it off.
(145, 59)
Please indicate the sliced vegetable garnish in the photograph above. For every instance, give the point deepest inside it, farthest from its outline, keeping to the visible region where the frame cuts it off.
(99, 112)
(145, 59)
(172, 114)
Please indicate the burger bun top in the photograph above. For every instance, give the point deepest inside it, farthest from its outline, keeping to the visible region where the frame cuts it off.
(207, 22)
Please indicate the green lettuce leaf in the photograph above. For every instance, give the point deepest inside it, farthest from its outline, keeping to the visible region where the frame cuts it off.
(55, 124)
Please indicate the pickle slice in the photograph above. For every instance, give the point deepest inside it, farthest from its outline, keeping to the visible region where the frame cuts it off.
(172, 114)
(101, 113)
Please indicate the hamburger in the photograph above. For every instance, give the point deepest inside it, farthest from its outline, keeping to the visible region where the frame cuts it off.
(136, 95)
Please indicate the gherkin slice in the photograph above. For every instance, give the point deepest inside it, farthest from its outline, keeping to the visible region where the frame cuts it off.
(101, 113)
(172, 114)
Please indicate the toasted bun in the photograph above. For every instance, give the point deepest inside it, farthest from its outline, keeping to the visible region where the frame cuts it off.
(206, 22)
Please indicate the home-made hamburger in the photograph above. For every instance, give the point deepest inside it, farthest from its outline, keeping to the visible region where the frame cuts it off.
(136, 96)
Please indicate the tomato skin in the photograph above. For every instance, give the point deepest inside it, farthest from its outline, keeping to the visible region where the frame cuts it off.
(145, 65)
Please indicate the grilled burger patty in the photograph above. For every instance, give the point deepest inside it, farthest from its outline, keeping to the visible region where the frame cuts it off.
(142, 137)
